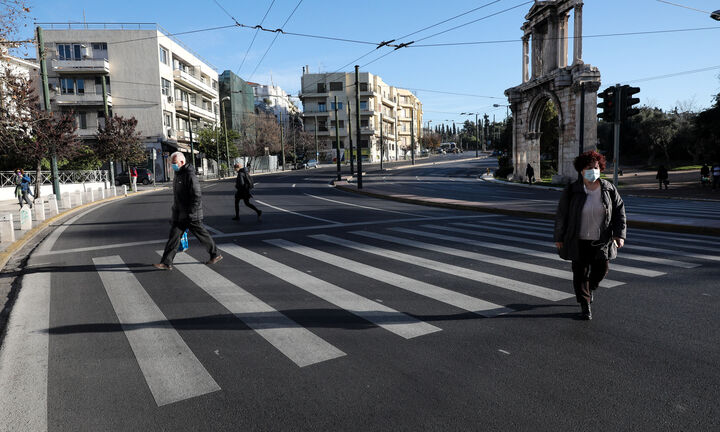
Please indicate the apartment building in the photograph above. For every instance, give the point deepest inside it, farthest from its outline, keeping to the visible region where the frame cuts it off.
(148, 75)
(237, 102)
(272, 98)
(397, 108)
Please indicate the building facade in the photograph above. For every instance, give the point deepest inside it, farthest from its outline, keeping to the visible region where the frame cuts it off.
(148, 75)
(275, 100)
(237, 103)
(397, 111)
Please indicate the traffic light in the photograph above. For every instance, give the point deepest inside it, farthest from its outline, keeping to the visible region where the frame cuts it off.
(607, 105)
(627, 101)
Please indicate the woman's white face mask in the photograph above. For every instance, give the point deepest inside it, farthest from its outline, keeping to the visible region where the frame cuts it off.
(592, 174)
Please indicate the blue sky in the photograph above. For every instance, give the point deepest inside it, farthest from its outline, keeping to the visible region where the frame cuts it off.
(486, 69)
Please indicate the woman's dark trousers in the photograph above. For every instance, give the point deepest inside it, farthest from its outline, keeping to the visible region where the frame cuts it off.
(588, 271)
(246, 200)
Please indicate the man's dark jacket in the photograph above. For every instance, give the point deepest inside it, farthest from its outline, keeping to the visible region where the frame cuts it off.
(188, 198)
(243, 184)
(569, 217)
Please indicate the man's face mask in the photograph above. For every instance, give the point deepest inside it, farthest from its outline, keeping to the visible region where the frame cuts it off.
(176, 167)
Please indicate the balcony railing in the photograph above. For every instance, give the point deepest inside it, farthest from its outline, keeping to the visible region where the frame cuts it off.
(194, 82)
(80, 99)
(80, 66)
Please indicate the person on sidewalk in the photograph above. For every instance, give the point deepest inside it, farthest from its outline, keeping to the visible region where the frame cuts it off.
(590, 226)
(716, 175)
(22, 187)
(187, 213)
(704, 174)
(243, 185)
(530, 174)
(662, 177)
(133, 179)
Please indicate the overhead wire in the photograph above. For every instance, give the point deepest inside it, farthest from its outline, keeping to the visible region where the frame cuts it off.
(252, 42)
(275, 38)
(671, 75)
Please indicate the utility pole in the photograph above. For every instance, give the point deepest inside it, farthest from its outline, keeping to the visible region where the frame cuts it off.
(316, 141)
(357, 118)
(412, 135)
(352, 166)
(616, 146)
(381, 141)
(582, 117)
(192, 144)
(294, 132)
(282, 141)
(111, 164)
(337, 139)
(46, 102)
(477, 137)
(217, 146)
(485, 132)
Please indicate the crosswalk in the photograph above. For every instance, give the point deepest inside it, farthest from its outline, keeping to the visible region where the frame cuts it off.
(487, 268)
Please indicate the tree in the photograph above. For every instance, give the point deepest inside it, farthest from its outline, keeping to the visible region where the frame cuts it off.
(28, 133)
(206, 143)
(118, 140)
(268, 135)
(431, 141)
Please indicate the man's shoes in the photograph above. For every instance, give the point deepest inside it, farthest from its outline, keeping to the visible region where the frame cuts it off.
(236, 218)
(586, 311)
(214, 259)
(161, 266)
(259, 214)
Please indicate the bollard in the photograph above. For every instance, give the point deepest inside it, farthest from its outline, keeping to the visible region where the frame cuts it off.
(101, 193)
(65, 201)
(90, 196)
(52, 202)
(125, 190)
(7, 229)
(39, 209)
(114, 191)
(78, 198)
(25, 218)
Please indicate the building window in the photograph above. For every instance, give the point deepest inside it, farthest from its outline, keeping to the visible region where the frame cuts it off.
(341, 124)
(81, 120)
(67, 86)
(99, 50)
(364, 123)
(363, 143)
(165, 85)
(164, 56)
(214, 84)
(363, 86)
(363, 105)
(64, 52)
(339, 105)
(80, 86)
(321, 88)
(77, 51)
(322, 107)
(167, 119)
(336, 86)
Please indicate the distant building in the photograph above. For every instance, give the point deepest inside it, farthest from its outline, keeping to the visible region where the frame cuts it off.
(148, 74)
(238, 105)
(272, 98)
(397, 106)
(29, 68)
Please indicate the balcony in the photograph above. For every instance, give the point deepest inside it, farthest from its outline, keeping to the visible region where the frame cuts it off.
(366, 90)
(80, 99)
(93, 66)
(194, 83)
(316, 112)
(182, 106)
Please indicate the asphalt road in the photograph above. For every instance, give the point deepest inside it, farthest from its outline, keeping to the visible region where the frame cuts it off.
(343, 312)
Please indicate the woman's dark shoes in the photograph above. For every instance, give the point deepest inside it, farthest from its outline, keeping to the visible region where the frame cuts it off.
(236, 218)
(259, 215)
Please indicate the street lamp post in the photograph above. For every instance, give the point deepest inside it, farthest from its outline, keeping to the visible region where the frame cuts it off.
(507, 109)
(477, 133)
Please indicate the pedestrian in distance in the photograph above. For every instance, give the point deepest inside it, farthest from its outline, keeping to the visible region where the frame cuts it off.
(530, 174)
(590, 226)
(716, 175)
(243, 186)
(22, 187)
(705, 175)
(133, 179)
(662, 177)
(187, 213)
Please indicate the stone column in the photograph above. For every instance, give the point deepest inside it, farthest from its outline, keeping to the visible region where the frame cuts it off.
(577, 33)
(562, 40)
(525, 58)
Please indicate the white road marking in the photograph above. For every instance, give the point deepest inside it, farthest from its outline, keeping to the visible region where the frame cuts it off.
(524, 251)
(504, 352)
(549, 244)
(397, 322)
(49, 242)
(261, 232)
(366, 207)
(486, 278)
(296, 213)
(514, 264)
(300, 345)
(293, 185)
(170, 368)
(459, 300)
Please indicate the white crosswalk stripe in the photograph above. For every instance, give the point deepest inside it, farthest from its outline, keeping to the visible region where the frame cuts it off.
(459, 300)
(515, 264)
(300, 345)
(170, 368)
(396, 322)
(548, 232)
(498, 281)
(524, 251)
(654, 260)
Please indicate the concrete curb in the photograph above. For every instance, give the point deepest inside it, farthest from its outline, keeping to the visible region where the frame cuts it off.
(457, 205)
(6, 254)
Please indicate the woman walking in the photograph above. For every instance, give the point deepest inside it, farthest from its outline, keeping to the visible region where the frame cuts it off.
(22, 187)
(589, 227)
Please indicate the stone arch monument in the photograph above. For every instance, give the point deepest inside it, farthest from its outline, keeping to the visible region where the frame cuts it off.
(572, 88)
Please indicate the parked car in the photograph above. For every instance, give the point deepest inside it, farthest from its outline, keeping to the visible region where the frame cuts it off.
(441, 151)
(145, 176)
(424, 153)
(311, 163)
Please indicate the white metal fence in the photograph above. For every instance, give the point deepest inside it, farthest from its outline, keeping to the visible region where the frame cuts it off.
(7, 178)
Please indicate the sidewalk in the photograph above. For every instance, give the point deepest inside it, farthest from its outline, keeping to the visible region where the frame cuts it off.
(22, 237)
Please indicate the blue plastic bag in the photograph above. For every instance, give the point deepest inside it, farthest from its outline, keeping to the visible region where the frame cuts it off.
(183, 242)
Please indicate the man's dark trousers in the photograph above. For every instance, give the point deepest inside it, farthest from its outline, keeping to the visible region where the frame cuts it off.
(176, 231)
